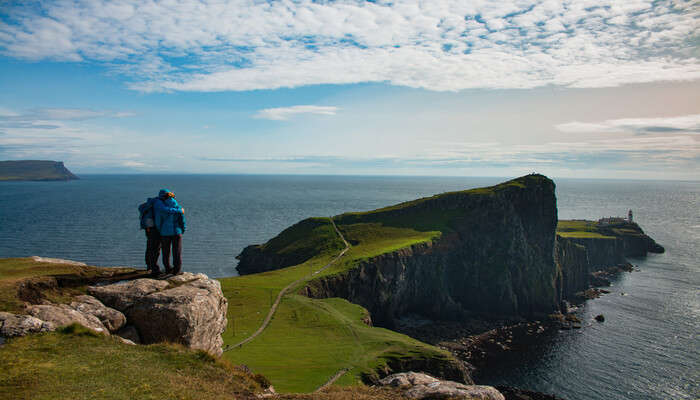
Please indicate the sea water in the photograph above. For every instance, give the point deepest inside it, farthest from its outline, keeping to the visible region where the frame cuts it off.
(646, 349)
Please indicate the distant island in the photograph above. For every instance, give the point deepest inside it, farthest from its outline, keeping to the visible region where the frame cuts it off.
(35, 170)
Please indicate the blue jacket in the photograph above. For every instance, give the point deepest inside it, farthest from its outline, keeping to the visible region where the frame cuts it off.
(146, 213)
(169, 218)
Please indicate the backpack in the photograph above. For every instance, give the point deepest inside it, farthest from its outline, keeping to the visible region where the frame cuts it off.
(146, 214)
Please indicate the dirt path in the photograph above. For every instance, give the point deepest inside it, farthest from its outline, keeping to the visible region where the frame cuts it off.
(333, 379)
(286, 289)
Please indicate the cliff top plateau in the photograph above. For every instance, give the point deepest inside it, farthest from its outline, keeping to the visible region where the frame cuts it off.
(34, 170)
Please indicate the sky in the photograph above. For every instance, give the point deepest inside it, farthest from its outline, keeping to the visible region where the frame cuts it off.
(582, 89)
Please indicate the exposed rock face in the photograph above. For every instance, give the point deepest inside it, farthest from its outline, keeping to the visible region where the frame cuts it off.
(188, 309)
(62, 315)
(572, 260)
(422, 386)
(586, 262)
(109, 317)
(12, 325)
(498, 260)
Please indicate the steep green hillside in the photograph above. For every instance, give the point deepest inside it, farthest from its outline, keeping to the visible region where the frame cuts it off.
(310, 340)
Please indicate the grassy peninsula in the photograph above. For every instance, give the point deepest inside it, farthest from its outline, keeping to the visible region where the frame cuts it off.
(309, 340)
(34, 170)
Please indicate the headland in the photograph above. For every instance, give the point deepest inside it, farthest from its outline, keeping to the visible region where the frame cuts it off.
(35, 170)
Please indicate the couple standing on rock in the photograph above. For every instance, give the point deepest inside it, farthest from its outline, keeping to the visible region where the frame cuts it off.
(164, 222)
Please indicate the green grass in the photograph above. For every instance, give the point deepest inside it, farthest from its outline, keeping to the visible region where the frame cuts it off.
(412, 214)
(309, 340)
(579, 228)
(305, 239)
(76, 363)
(16, 271)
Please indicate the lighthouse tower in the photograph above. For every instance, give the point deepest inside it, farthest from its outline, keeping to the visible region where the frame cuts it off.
(629, 216)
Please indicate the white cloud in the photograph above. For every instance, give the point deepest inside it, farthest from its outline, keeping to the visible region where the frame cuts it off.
(284, 113)
(684, 124)
(57, 114)
(443, 45)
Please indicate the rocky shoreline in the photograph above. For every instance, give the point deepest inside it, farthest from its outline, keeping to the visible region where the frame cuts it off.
(482, 343)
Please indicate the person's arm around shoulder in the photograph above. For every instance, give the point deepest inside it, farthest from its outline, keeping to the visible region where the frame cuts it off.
(160, 206)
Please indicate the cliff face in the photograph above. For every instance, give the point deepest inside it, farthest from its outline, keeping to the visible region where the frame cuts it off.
(34, 170)
(577, 256)
(496, 259)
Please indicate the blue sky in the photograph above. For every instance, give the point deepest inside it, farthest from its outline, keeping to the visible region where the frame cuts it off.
(607, 89)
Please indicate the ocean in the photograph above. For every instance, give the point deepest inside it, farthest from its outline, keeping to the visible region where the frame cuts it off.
(647, 348)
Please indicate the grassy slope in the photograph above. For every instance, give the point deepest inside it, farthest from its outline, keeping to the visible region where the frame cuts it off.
(309, 340)
(76, 363)
(579, 228)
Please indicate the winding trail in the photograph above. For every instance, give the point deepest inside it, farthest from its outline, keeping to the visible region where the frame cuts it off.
(333, 379)
(286, 289)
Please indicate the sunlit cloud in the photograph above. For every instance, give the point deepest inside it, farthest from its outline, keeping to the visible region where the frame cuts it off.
(441, 45)
(682, 124)
(284, 113)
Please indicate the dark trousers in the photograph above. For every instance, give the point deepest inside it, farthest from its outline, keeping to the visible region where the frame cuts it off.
(174, 242)
(152, 249)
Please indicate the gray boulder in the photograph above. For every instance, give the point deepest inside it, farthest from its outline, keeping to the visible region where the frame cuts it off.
(12, 325)
(62, 314)
(112, 319)
(422, 386)
(123, 295)
(188, 309)
(407, 378)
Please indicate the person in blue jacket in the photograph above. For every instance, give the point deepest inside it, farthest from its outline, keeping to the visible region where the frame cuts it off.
(148, 223)
(170, 222)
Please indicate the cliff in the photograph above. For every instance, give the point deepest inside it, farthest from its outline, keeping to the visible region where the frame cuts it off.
(480, 251)
(34, 170)
(292, 246)
(585, 247)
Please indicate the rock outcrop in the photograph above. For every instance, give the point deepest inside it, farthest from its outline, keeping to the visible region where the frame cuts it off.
(188, 309)
(110, 318)
(62, 315)
(495, 260)
(590, 261)
(85, 310)
(12, 325)
(416, 385)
